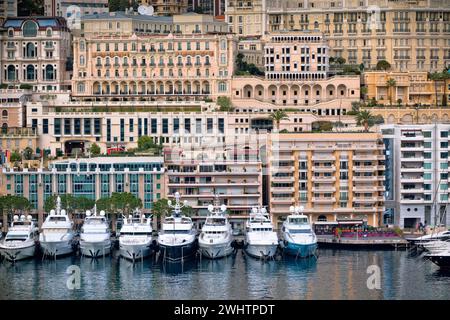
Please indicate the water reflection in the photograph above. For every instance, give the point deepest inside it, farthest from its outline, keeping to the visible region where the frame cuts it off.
(337, 274)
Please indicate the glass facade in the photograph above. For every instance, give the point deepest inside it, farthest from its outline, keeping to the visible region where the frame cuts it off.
(83, 185)
(33, 190)
(148, 191)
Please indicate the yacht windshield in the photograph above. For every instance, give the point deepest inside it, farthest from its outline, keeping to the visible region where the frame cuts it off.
(95, 221)
(215, 222)
(298, 221)
(16, 237)
(176, 231)
(261, 229)
(55, 219)
(299, 231)
(135, 233)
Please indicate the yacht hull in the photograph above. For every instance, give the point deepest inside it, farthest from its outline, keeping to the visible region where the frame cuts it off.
(263, 251)
(18, 253)
(300, 250)
(57, 248)
(95, 249)
(178, 252)
(135, 251)
(215, 251)
(440, 260)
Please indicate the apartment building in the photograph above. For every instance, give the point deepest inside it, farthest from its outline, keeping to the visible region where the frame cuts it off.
(335, 176)
(35, 52)
(8, 8)
(417, 174)
(79, 8)
(410, 35)
(167, 7)
(12, 107)
(177, 64)
(16, 140)
(236, 178)
(93, 178)
(412, 88)
(212, 7)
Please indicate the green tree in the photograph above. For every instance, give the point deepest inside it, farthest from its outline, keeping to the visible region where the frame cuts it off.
(365, 118)
(278, 116)
(95, 149)
(10, 204)
(364, 90)
(15, 156)
(122, 203)
(161, 208)
(322, 126)
(225, 104)
(340, 60)
(383, 65)
(188, 211)
(391, 83)
(145, 142)
(30, 8)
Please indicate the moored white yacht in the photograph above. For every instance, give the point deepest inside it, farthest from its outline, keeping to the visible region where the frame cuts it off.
(177, 238)
(57, 236)
(299, 238)
(261, 241)
(95, 238)
(217, 235)
(20, 241)
(135, 240)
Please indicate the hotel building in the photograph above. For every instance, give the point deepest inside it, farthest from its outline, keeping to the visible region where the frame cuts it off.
(93, 178)
(410, 87)
(417, 162)
(167, 7)
(410, 35)
(12, 107)
(34, 52)
(334, 176)
(123, 56)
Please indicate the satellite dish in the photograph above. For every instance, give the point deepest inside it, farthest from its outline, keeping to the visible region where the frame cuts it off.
(16, 218)
(102, 213)
(150, 11)
(210, 208)
(22, 217)
(63, 212)
(263, 210)
(52, 211)
(142, 10)
(169, 202)
(223, 208)
(88, 213)
(291, 208)
(29, 218)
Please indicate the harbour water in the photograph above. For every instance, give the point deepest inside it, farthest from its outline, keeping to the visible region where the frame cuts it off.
(337, 274)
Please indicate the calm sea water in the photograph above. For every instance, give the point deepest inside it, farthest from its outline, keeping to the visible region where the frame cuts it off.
(337, 274)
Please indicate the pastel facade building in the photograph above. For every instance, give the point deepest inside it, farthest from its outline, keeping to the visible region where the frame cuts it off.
(167, 7)
(410, 35)
(417, 188)
(8, 8)
(335, 176)
(35, 52)
(412, 88)
(180, 65)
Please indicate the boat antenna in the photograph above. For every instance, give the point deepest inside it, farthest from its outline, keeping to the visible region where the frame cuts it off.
(178, 205)
(58, 205)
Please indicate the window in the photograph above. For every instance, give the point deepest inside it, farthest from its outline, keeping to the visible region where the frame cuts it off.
(11, 73)
(29, 29)
(30, 73)
(444, 134)
(49, 73)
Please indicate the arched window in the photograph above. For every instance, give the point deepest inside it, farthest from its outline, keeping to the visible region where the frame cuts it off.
(49, 32)
(322, 218)
(4, 114)
(207, 60)
(30, 50)
(222, 87)
(125, 61)
(29, 29)
(82, 45)
(11, 73)
(197, 60)
(31, 73)
(188, 60)
(50, 72)
(180, 61)
(82, 60)
(116, 61)
(4, 128)
(11, 32)
(99, 61)
(316, 25)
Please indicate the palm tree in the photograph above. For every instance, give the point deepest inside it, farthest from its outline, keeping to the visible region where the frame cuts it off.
(390, 83)
(365, 118)
(277, 116)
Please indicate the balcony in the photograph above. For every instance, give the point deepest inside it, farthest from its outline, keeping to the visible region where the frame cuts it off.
(282, 189)
(365, 168)
(368, 188)
(412, 190)
(367, 199)
(282, 200)
(283, 169)
(412, 201)
(327, 158)
(282, 179)
(323, 169)
(411, 179)
(412, 169)
(411, 159)
(357, 157)
(365, 178)
(324, 189)
(324, 179)
(324, 200)
(411, 148)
